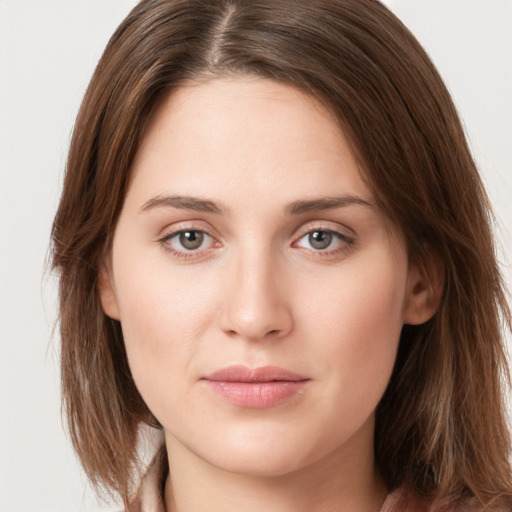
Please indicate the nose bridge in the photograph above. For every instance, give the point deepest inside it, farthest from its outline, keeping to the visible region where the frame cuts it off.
(256, 304)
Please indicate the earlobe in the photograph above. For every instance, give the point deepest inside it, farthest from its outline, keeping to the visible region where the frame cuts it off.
(424, 291)
(107, 294)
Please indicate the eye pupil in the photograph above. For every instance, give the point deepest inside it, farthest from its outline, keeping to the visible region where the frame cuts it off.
(191, 239)
(320, 239)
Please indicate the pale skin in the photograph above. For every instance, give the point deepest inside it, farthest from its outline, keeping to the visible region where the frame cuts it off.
(287, 262)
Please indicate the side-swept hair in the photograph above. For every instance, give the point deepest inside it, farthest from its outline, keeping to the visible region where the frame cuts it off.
(441, 425)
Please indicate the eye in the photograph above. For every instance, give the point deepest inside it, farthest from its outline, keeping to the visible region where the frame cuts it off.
(187, 241)
(324, 240)
(320, 240)
(190, 240)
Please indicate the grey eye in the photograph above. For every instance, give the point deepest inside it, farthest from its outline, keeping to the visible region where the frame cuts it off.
(320, 239)
(191, 240)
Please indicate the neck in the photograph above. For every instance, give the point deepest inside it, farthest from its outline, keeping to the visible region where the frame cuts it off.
(345, 480)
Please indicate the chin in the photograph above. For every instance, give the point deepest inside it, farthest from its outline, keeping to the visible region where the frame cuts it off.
(267, 455)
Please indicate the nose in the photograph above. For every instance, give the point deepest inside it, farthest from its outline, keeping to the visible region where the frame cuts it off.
(256, 305)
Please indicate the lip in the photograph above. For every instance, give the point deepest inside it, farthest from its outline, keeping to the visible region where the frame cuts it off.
(255, 388)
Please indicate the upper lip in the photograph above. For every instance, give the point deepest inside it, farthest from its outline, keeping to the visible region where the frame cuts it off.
(240, 373)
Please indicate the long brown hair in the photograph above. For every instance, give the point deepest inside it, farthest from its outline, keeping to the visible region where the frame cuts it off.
(441, 425)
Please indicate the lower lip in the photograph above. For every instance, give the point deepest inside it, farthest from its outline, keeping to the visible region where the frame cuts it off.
(256, 395)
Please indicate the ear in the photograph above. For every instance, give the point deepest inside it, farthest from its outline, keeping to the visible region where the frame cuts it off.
(425, 284)
(107, 293)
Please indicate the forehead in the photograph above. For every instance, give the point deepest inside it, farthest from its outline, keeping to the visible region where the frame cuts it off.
(243, 132)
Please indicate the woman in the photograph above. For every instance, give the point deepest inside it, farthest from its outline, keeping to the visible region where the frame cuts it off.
(274, 246)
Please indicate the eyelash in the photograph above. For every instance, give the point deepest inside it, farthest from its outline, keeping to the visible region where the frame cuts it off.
(345, 243)
(184, 253)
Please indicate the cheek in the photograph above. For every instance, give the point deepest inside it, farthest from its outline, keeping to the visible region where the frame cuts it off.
(357, 321)
(163, 317)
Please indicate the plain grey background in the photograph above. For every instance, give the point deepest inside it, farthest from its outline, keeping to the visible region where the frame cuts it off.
(48, 50)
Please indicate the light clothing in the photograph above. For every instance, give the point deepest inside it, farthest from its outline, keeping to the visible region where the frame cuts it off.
(149, 499)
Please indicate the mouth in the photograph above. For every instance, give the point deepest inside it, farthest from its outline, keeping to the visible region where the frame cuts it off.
(255, 388)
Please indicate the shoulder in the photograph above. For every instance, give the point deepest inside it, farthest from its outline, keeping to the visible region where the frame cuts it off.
(404, 500)
(149, 496)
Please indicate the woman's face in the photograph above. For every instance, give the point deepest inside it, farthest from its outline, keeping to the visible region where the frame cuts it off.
(260, 291)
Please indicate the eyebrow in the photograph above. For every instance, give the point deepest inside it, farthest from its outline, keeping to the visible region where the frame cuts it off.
(325, 203)
(295, 208)
(183, 203)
